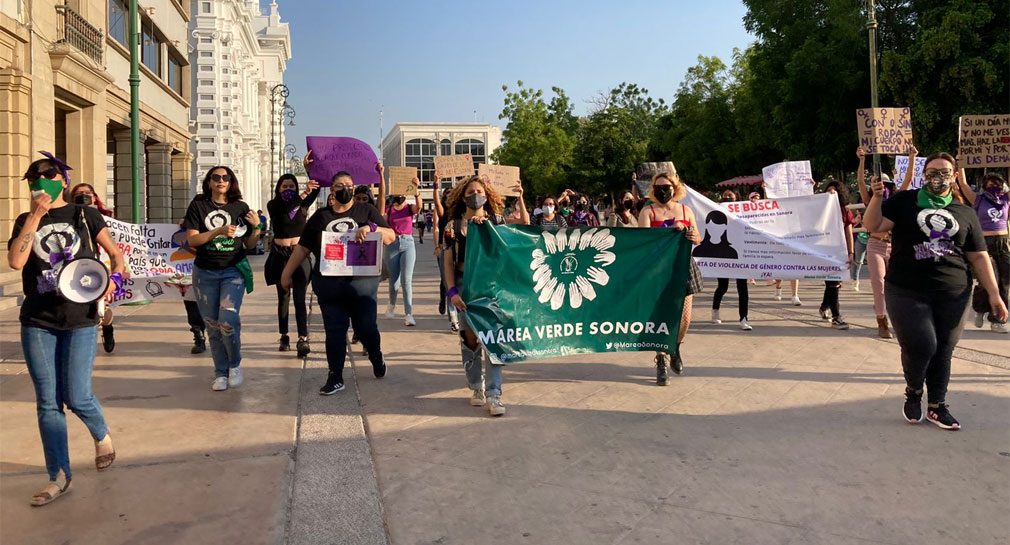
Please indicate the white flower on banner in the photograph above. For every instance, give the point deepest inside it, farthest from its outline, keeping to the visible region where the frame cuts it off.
(569, 264)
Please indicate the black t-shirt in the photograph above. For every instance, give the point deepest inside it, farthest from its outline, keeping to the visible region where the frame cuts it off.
(221, 252)
(60, 228)
(928, 245)
(325, 219)
(287, 217)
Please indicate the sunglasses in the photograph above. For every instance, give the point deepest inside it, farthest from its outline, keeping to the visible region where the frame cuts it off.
(219, 177)
(946, 173)
(50, 173)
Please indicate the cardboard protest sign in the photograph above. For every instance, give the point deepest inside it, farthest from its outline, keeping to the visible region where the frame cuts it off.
(451, 166)
(788, 179)
(502, 178)
(400, 180)
(332, 154)
(984, 141)
(885, 131)
(901, 168)
(340, 255)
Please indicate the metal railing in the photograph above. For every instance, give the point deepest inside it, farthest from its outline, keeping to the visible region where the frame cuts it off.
(76, 31)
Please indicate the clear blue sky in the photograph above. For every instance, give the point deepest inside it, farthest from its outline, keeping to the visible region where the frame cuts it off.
(438, 61)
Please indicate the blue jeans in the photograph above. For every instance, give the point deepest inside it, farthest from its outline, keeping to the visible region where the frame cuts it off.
(401, 256)
(219, 295)
(478, 369)
(60, 364)
(859, 251)
(342, 302)
(451, 310)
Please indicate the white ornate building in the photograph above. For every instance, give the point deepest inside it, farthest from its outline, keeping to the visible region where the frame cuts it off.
(238, 55)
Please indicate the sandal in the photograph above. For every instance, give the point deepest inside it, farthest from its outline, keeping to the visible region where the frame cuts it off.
(44, 497)
(102, 462)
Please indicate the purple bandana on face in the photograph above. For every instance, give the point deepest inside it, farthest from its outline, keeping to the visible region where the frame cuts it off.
(288, 194)
(59, 256)
(59, 164)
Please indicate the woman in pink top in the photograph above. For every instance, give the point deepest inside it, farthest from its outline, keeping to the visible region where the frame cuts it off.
(401, 254)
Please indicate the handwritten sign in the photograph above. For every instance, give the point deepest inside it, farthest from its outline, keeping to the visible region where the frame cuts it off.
(341, 256)
(451, 166)
(901, 168)
(332, 154)
(152, 249)
(788, 179)
(885, 131)
(502, 178)
(400, 180)
(984, 141)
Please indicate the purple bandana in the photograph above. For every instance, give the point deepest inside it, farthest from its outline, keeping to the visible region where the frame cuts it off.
(117, 278)
(59, 256)
(59, 164)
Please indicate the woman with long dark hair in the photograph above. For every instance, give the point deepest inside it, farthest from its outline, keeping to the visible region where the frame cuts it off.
(992, 206)
(829, 302)
(624, 212)
(442, 246)
(401, 255)
(58, 336)
(84, 195)
(221, 228)
(288, 211)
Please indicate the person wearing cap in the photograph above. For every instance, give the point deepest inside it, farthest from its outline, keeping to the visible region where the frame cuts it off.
(58, 335)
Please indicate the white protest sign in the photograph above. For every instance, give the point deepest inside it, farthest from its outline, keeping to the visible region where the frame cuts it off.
(785, 239)
(901, 168)
(788, 179)
(341, 256)
(158, 257)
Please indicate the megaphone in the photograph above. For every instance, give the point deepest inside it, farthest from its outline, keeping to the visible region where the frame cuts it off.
(83, 280)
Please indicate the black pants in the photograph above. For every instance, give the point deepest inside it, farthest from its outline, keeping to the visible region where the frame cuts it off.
(830, 299)
(998, 247)
(741, 290)
(299, 285)
(193, 315)
(928, 325)
(343, 302)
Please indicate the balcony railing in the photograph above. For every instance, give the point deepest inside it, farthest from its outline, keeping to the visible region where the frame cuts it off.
(79, 33)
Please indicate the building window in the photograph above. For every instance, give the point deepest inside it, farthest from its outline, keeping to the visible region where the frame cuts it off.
(227, 140)
(175, 74)
(205, 7)
(225, 57)
(474, 147)
(226, 99)
(206, 82)
(226, 112)
(207, 154)
(206, 40)
(206, 125)
(446, 146)
(206, 97)
(206, 111)
(227, 154)
(206, 68)
(206, 139)
(150, 50)
(206, 53)
(420, 153)
(119, 16)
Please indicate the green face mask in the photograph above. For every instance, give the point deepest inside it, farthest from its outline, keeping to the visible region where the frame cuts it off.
(53, 187)
(925, 199)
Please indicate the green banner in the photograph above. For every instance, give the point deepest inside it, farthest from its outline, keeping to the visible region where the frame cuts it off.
(534, 293)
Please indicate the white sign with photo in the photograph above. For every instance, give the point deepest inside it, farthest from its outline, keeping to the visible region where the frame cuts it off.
(340, 255)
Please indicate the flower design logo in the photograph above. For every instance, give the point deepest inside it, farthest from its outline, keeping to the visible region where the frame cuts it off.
(569, 264)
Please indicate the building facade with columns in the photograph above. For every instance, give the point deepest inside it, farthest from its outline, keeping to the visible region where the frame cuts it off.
(64, 70)
(238, 56)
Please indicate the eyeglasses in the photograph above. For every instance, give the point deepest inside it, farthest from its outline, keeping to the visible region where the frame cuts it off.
(945, 172)
(220, 177)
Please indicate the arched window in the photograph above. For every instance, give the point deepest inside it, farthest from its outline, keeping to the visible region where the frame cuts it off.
(475, 148)
(420, 153)
(446, 146)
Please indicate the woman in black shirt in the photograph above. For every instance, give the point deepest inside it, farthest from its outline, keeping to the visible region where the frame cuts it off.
(221, 228)
(927, 286)
(59, 337)
(288, 211)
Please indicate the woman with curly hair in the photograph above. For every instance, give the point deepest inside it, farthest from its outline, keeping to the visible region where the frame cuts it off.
(474, 201)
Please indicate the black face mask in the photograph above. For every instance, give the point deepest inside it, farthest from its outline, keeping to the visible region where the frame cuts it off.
(579, 207)
(629, 204)
(83, 199)
(343, 195)
(663, 193)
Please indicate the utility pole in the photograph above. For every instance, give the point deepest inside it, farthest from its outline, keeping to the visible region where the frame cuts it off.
(871, 26)
(134, 80)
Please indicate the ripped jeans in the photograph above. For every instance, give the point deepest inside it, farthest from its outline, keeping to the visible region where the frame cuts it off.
(219, 295)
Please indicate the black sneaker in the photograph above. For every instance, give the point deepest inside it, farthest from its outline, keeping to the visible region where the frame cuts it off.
(824, 314)
(108, 340)
(838, 323)
(913, 406)
(199, 342)
(303, 347)
(334, 383)
(940, 416)
(662, 376)
(677, 364)
(441, 305)
(285, 344)
(379, 370)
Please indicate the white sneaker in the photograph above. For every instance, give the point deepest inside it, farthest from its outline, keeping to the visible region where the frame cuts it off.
(979, 319)
(409, 320)
(744, 325)
(478, 399)
(220, 384)
(715, 317)
(390, 311)
(778, 294)
(999, 328)
(235, 377)
(494, 406)
(796, 301)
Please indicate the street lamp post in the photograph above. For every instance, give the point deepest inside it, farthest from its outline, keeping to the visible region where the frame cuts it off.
(278, 93)
(289, 150)
(289, 112)
(871, 26)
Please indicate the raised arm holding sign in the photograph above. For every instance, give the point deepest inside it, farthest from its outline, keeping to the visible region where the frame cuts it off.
(884, 131)
(333, 154)
(401, 180)
(983, 141)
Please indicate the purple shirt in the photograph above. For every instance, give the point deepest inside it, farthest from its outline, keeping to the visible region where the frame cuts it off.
(402, 221)
(992, 216)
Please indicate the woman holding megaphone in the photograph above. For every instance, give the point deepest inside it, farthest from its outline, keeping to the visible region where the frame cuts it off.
(84, 195)
(58, 332)
(221, 227)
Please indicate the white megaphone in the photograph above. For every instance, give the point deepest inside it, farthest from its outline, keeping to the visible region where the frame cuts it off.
(83, 280)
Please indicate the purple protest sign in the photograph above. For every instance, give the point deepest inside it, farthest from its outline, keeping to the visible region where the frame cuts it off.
(331, 154)
(363, 254)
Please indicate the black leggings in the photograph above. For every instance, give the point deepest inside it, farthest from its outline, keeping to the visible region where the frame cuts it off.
(741, 290)
(830, 299)
(299, 284)
(193, 315)
(344, 302)
(928, 325)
